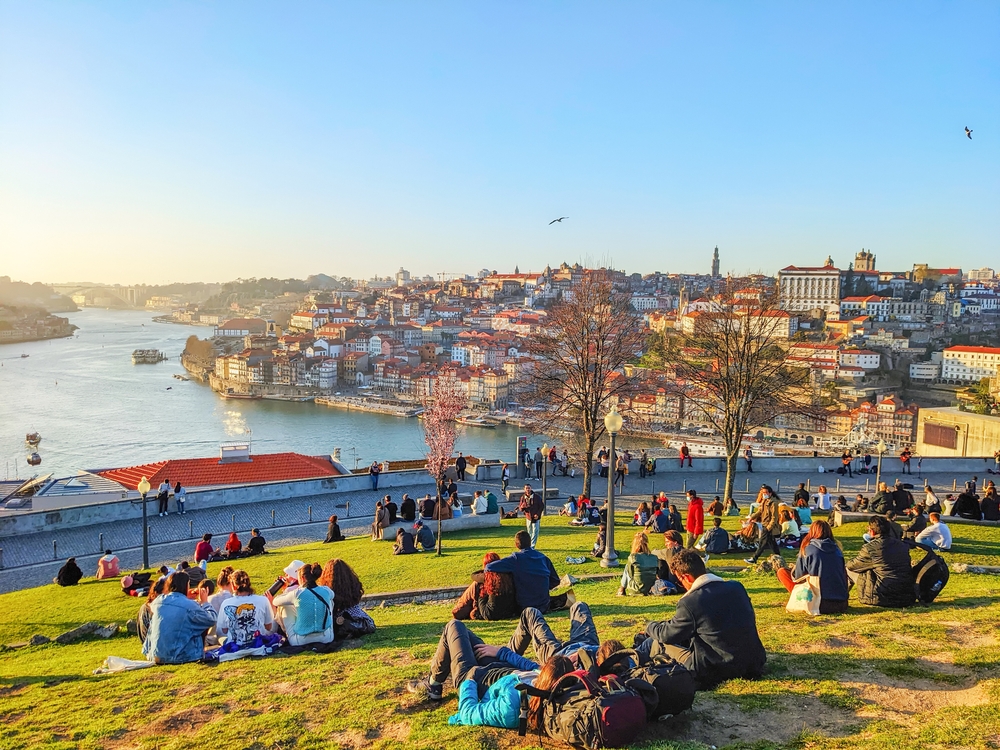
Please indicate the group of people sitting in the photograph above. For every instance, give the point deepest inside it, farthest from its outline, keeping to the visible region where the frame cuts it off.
(712, 635)
(185, 614)
(232, 549)
(387, 513)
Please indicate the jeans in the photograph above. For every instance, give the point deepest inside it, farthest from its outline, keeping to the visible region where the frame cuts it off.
(461, 474)
(503, 484)
(539, 469)
(766, 540)
(374, 481)
(455, 653)
(906, 468)
(620, 479)
(749, 465)
(532, 527)
(163, 500)
(532, 629)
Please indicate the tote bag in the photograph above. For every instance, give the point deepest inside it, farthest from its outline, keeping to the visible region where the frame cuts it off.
(805, 596)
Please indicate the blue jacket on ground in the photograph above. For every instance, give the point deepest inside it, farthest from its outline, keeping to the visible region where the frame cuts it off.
(534, 577)
(823, 558)
(177, 629)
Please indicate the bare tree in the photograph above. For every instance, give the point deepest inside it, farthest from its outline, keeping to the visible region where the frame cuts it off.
(731, 368)
(445, 402)
(580, 356)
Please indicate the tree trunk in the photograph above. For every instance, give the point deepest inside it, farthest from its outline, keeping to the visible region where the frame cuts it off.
(439, 525)
(588, 467)
(731, 460)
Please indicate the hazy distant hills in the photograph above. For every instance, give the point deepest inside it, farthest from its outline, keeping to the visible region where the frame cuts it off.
(37, 296)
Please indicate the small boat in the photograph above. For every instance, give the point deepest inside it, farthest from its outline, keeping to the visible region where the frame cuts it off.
(232, 394)
(33, 439)
(25, 356)
(475, 422)
(34, 459)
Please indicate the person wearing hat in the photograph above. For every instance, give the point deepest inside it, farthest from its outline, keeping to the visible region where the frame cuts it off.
(424, 536)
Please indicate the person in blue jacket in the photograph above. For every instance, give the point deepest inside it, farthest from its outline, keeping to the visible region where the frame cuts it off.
(534, 574)
(178, 625)
(820, 556)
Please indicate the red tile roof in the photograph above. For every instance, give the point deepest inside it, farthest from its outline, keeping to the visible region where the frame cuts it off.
(974, 349)
(207, 472)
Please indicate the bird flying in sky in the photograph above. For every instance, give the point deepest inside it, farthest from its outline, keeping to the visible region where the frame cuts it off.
(566, 217)
(968, 132)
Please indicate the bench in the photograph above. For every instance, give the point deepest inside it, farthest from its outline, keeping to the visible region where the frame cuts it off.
(467, 521)
(841, 517)
(514, 496)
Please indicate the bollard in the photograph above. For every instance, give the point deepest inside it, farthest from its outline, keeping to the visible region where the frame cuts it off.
(954, 485)
(190, 529)
(234, 522)
(310, 514)
(748, 484)
(809, 485)
(272, 516)
(685, 486)
(838, 485)
(348, 508)
(149, 533)
(100, 543)
(716, 484)
(1, 558)
(777, 485)
(55, 554)
(868, 484)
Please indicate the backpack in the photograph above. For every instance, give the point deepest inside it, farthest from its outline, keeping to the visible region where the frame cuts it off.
(931, 575)
(666, 686)
(585, 713)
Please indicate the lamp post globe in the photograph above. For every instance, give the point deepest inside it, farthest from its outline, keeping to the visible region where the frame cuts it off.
(613, 424)
(143, 488)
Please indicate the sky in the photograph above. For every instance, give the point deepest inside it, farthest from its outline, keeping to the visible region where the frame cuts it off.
(152, 142)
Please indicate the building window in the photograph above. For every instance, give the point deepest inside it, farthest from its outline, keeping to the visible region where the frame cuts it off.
(943, 436)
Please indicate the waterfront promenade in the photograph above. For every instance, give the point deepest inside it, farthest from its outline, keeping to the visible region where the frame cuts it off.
(29, 560)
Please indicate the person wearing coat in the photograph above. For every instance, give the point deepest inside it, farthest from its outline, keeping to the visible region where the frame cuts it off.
(695, 524)
(770, 524)
(821, 556)
(640, 570)
(380, 522)
(333, 532)
(405, 544)
(883, 500)
(882, 569)
(967, 506)
(178, 625)
(69, 574)
(442, 510)
(408, 509)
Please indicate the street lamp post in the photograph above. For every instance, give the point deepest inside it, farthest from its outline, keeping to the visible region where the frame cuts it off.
(545, 472)
(143, 488)
(881, 448)
(613, 424)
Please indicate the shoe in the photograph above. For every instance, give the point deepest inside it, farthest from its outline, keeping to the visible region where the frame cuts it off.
(621, 591)
(570, 598)
(431, 692)
(705, 557)
(749, 561)
(638, 639)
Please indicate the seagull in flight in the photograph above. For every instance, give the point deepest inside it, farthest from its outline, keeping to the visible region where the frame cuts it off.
(968, 132)
(566, 217)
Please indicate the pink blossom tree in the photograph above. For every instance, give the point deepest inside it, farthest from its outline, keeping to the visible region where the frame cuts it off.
(441, 407)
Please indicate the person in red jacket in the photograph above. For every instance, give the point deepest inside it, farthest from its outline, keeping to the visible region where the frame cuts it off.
(204, 550)
(695, 517)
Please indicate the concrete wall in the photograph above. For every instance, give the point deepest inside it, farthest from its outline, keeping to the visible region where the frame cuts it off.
(32, 521)
(975, 434)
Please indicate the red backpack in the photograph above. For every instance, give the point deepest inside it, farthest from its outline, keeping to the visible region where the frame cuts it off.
(586, 713)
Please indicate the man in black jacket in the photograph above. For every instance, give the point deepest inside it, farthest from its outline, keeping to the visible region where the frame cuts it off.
(882, 569)
(460, 466)
(427, 507)
(918, 524)
(801, 494)
(882, 501)
(408, 509)
(967, 506)
(713, 631)
(902, 500)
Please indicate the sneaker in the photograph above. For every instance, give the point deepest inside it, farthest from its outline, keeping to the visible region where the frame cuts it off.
(431, 692)
(570, 598)
(706, 558)
(749, 561)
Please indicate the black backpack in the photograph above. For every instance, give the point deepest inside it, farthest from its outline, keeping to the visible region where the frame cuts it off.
(931, 575)
(666, 687)
(585, 713)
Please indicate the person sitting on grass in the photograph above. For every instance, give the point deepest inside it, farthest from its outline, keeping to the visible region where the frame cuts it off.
(424, 536)
(196, 574)
(493, 673)
(659, 521)
(600, 542)
(713, 632)
(716, 508)
(349, 619)
(881, 570)
(990, 504)
(490, 596)
(404, 544)
(641, 515)
(917, 524)
(204, 550)
(305, 613)
(145, 615)
(333, 531)
(730, 507)
(534, 574)
(107, 566)
(936, 536)
(666, 583)
(244, 615)
(234, 547)
(967, 506)
(789, 529)
(178, 625)
(676, 522)
(223, 588)
(640, 569)
(804, 512)
(69, 574)
(256, 544)
(820, 556)
(716, 539)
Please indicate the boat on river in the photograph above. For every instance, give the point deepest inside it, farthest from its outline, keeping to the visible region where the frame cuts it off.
(475, 422)
(33, 439)
(232, 394)
(147, 356)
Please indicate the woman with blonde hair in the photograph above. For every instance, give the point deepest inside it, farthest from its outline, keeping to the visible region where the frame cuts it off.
(640, 570)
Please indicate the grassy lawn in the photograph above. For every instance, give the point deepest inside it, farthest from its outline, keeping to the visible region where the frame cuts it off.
(925, 677)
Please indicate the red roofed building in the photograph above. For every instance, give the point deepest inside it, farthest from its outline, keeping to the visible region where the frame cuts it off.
(802, 289)
(242, 327)
(240, 469)
(970, 364)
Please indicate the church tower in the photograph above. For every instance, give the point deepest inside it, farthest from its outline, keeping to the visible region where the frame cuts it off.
(864, 261)
(715, 263)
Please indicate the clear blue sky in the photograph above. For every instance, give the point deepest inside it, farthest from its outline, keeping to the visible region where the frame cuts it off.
(152, 141)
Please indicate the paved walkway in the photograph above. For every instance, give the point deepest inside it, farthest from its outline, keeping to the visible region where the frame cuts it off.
(29, 560)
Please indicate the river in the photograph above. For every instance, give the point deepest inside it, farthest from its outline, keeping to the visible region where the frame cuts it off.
(95, 409)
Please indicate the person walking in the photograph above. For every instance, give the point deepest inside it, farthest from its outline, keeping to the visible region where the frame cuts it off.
(504, 477)
(685, 453)
(460, 465)
(748, 457)
(621, 467)
(770, 524)
(532, 506)
(374, 470)
(695, 523)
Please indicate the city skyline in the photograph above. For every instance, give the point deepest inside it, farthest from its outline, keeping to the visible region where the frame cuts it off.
(195, 143)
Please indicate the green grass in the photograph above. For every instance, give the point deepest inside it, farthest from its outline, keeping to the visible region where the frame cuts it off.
(885, 679)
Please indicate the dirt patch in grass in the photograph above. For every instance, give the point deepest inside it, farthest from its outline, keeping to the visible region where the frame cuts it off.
(963, 635)
(354, 739)
(907, 701)
(715, 720)
(289, 688)
(180, 723)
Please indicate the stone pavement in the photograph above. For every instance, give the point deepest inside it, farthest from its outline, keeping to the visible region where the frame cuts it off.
(29, 560)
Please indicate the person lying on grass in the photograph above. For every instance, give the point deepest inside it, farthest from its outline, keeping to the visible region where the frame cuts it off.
(713, 633)
(178, 625)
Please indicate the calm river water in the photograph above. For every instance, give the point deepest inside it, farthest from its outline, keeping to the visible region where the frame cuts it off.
(95, 409)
